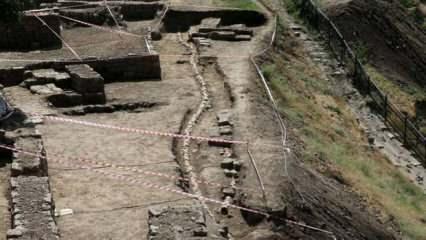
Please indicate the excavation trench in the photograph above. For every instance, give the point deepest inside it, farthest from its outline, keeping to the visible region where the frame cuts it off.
(181, 19)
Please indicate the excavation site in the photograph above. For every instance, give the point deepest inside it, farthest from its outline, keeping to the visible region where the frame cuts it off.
(212, 119)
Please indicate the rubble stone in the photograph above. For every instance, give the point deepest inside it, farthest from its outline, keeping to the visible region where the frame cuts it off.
(177, 222)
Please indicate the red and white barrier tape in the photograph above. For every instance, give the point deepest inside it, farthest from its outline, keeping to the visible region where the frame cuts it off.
(141, 131)
(168, 189)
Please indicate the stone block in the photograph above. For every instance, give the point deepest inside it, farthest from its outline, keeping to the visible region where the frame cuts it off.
(84, 79)
(224, 117)
(222, 35)
(47, 89)
(230, 173)
(225, 130)
(66, 99)
(227, 163)
(24, 164)
(228, 191)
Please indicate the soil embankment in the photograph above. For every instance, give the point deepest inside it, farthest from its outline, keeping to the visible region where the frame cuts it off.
(386, 34)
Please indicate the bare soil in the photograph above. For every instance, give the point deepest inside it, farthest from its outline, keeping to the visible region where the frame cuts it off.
(105, 208)
(394, 44)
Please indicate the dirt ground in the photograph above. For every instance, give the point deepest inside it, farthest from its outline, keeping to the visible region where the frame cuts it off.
(106, 208)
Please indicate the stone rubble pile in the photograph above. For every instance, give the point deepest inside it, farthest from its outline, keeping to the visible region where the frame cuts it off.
(176, 223)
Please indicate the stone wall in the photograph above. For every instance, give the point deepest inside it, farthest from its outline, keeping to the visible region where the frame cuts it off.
(31, 203)
(126, 68)
(30, 33)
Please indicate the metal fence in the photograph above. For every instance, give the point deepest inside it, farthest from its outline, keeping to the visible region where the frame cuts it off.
(404, 128)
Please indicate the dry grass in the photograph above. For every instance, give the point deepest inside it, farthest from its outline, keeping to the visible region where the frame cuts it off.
(306, 101)
(404, 97)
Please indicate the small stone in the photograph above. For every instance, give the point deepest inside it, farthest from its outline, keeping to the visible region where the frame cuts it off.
(230, 173)
(156, 35)
(155, 212)
(225, 130)
(228, 191)
(153, 230)
(227, 163)
(200, 232)
(237, 165)
(15, 233)
(224, 117)
(178, 229)
(224, 231)
(224, 210)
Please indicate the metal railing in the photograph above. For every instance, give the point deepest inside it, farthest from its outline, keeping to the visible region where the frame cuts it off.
(404, 128)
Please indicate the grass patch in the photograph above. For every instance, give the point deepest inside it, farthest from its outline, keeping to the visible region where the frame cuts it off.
(241, 4)
(330, 133)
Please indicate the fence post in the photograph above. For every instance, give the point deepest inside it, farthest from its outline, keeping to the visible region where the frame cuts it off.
(343, 51)
(329, 37)
(405, 129)
(385, 109)
(424, 143)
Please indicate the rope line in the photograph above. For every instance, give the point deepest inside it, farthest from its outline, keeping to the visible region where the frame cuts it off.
(59, 36)
(112, 15)
(120, 32)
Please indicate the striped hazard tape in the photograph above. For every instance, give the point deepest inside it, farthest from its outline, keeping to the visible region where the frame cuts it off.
(138, 182)
(142, 131)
